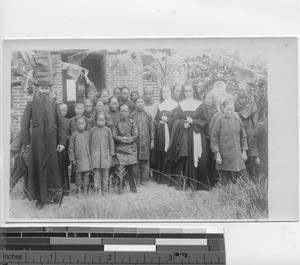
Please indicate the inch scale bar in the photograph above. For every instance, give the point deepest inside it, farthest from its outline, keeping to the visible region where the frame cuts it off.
(82, 245)
(95, 257)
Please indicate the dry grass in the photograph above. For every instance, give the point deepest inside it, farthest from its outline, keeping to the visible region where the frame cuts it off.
(243, 200)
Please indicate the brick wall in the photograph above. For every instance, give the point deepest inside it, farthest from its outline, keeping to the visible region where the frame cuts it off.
(113, 78)
(20, 95)
(57, 87)
(116, 78)
(19, 99)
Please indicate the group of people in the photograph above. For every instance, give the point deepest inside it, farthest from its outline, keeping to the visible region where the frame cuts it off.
(209, 139)
(185, 141)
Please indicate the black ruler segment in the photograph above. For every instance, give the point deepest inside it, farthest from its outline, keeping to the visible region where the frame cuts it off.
(28, 240)
(27, 247)
(109, 235)
(108, 245)
(45, 234)
(11, 234)
(77, 234)
(147, 235)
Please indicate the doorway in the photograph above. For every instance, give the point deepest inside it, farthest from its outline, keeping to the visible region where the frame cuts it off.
(74, 91)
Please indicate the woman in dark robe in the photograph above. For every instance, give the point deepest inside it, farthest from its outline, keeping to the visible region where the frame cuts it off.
(162, 127)
(46, 139)
(188, 148)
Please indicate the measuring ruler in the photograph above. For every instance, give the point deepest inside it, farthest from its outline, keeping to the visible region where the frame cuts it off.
(107, 245)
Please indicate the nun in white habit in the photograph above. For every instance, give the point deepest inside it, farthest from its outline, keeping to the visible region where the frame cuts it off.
(192, 157)
(163, 125)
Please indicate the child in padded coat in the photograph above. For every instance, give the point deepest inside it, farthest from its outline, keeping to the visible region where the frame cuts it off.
(79, 154)
(102, 151)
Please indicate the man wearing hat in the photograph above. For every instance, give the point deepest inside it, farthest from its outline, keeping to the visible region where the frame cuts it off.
(45, 139)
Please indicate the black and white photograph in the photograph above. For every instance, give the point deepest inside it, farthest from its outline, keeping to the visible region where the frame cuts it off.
(204, 83)
(144, 130)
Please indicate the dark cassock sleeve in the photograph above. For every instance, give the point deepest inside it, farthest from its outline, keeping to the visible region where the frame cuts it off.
(72, 147)
(201, 121)
(25, 124)
(61, 125)
(244, 145)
